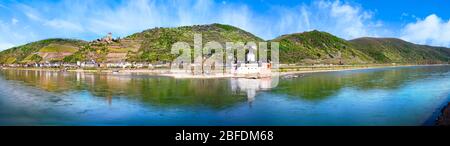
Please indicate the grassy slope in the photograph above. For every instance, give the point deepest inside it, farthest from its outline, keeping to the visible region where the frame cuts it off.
(318, 47)
(151, 45)
(156, 43)
(313, 47)
(25, 53)
(387, 50)
(59, 48)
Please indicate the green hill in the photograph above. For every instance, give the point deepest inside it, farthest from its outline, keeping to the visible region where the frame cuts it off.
(154, 45)
(391, 50)
(151, 45)
(30, 52)
(317, 47)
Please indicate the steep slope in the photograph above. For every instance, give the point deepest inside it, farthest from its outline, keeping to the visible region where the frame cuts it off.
(44, 50)
(156, 43)
(317, 47)
(390, 50)
(151, 45)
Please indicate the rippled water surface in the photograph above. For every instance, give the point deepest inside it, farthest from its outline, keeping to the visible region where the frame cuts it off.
(386, 96)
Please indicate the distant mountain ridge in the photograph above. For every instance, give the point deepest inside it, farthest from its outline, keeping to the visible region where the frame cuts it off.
(317, 47)
(153, 45)
(37, 51)
(385, 50)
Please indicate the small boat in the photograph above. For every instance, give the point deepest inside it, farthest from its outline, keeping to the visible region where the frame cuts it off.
(292, 76)
(115, 71)
(252, 77)
(63, 70)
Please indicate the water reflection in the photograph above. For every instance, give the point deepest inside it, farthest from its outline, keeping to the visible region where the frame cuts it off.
(162, 91)
(319, 86)
(217, 93)
(154, 90)
(250, 87)
(389, 96)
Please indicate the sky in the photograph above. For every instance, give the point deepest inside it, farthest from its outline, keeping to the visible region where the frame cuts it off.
(418, 21)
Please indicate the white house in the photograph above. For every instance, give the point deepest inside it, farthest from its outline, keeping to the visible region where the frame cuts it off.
(89, 64)
(251, 67)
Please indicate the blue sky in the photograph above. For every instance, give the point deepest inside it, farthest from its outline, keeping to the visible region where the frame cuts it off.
(418, 21)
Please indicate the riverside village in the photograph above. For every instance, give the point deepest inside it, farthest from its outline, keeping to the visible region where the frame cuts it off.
(248, 66)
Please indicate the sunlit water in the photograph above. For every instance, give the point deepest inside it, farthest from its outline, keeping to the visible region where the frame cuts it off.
(387, 96)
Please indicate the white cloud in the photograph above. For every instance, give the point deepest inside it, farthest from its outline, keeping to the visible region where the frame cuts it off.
(64, 25)
(14, 21)
(136, 16)
(4, 31)
(351, 20)
(432, 31)
(96, 18)
(11, 34)
(133, 16)
(339, 18)
(238, 16)
(35, 15)
(5, 45)
(30, 12)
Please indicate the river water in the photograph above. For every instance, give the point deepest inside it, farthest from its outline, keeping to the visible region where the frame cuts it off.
(383, 96)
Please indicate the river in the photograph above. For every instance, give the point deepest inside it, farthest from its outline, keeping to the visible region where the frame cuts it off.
(382, 96)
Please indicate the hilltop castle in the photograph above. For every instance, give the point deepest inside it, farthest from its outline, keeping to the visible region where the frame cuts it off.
(106, 39)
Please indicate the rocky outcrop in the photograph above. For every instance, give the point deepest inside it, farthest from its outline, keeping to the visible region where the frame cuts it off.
(444, 118)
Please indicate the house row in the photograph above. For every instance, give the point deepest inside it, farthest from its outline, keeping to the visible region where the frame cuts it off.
(134, 65)
(90, 64)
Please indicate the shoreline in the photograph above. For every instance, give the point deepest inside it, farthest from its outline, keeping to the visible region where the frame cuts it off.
(281, 72)
(444, 117)
(441, 116)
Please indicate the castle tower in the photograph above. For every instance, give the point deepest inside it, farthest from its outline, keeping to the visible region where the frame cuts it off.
(109, 36)
(251, 57)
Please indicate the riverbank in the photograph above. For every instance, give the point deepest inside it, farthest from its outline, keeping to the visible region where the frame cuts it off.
(375, 97)
(444, 118)
(283, 71)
